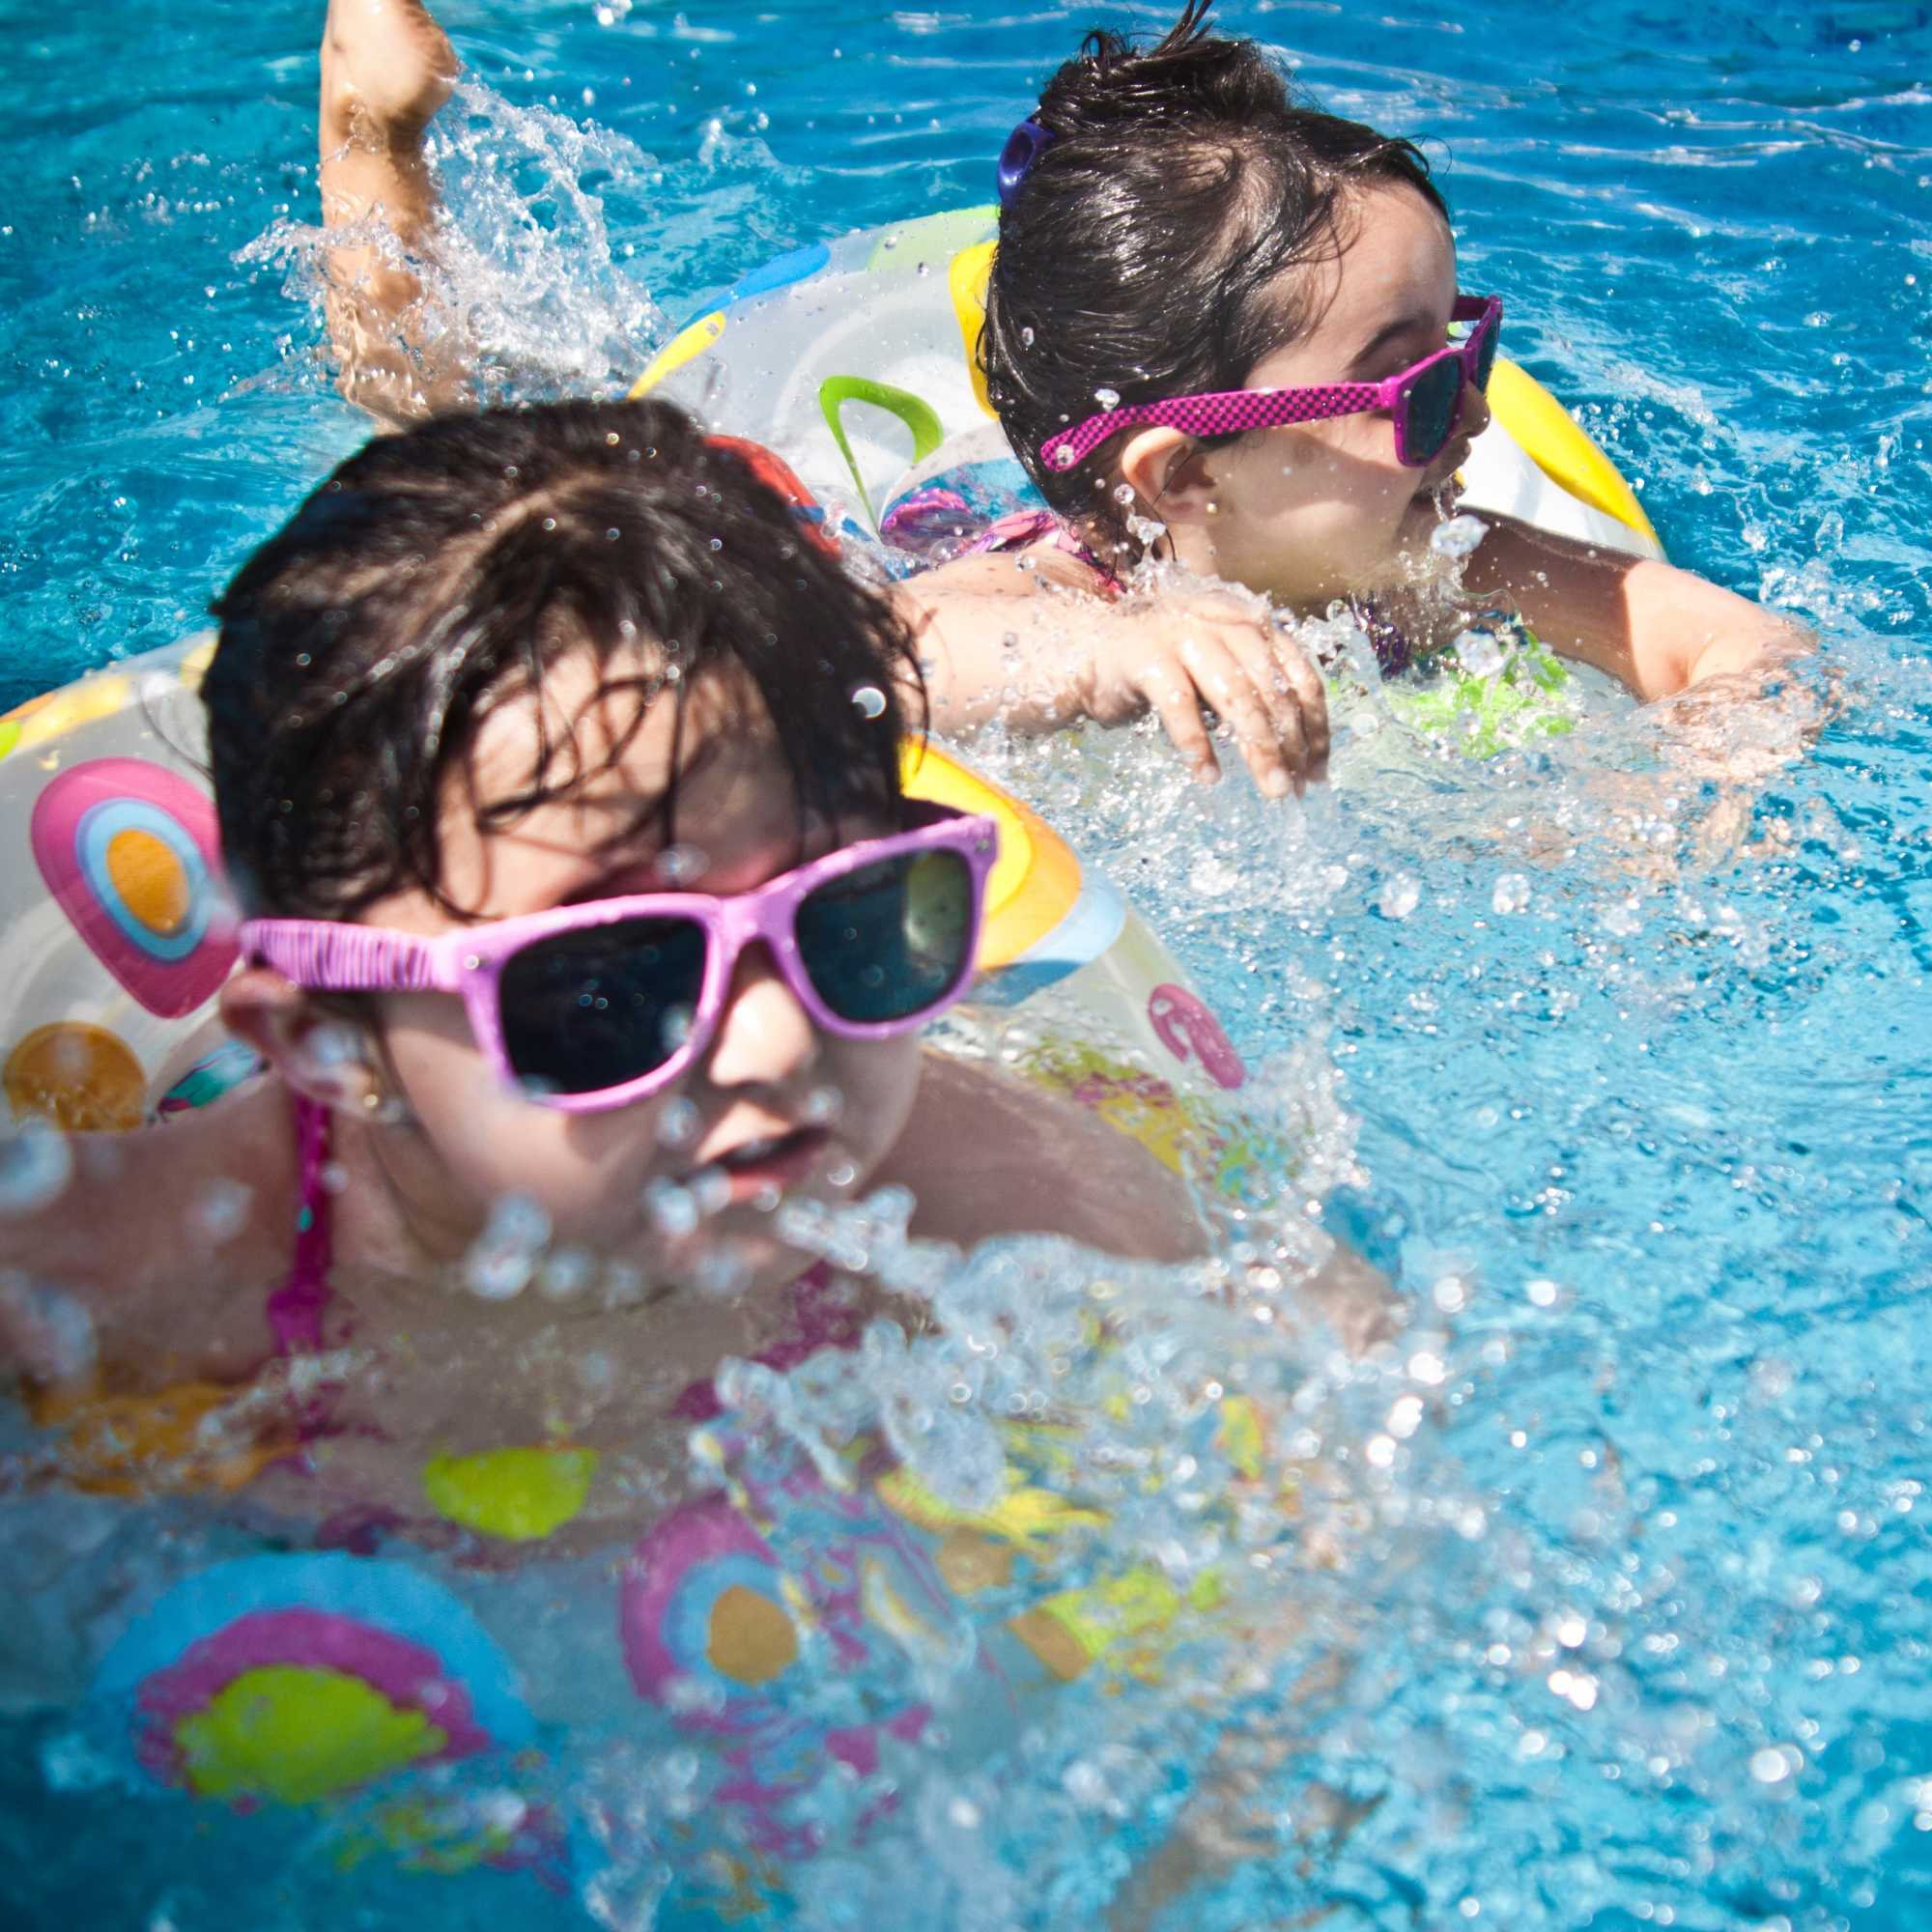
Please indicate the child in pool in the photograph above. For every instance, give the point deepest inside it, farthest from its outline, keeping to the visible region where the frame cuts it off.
(497, 673)
(386, 69)
(1200, 285)
(1174, 226)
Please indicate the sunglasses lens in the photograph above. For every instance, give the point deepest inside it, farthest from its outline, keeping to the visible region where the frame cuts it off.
(601, 1007)
(1486, 355)
(889, 941)
(1431, 405)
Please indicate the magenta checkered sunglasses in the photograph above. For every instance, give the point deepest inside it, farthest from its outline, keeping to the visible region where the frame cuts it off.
(1425, 400)
(596, 1005)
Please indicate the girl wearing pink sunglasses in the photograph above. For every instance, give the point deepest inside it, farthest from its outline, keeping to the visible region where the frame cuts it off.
(1215, 336)
(558, 778)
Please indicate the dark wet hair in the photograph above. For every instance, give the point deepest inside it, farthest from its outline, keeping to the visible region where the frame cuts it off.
(441, 573)
(1144, 252)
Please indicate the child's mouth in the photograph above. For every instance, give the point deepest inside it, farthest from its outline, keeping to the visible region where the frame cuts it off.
(773, 1161)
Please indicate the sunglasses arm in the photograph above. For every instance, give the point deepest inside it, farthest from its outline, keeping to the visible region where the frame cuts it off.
(329, 956)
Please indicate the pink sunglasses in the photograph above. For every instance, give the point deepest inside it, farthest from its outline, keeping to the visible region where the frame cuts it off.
(592, 1006)
(1425, 400)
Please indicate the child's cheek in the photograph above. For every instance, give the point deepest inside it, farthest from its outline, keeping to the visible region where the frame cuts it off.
(871, 1085)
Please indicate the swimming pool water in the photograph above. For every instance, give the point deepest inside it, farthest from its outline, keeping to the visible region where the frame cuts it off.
(1634, 1050)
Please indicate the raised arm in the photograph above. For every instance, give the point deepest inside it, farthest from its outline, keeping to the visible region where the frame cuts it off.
(386, 67)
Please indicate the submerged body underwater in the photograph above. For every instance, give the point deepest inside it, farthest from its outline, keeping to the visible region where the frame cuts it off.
(1596, 1599)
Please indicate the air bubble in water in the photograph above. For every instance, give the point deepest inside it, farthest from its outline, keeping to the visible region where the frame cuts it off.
(678, 1123)
(1026, 337)
(1212, 876)
(678, 865)
(1478, 652)
(1400, 896)
(36, 1165)
(1108, 399)
(1124, 494)
(1510, 894)
(672, 1210)
(50, 1324)
(1458, 537)
(221, 1208)
(506, 1255)
(564, 1274)
(870, 700)
(710, 1191)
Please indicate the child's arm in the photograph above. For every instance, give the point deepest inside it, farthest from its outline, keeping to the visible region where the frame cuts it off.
(985, 1154)
(1022, 638)
(386, 67)
(1658, 629)
(150, 1235)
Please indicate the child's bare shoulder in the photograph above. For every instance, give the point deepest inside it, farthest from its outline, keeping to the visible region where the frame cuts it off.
(155, 1232)
(985, 1154)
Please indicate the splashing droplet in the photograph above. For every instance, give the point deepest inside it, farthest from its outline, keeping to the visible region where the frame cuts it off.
(506, 1255)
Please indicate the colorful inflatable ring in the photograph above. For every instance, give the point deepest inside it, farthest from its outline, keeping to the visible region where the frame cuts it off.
(857, 361)
(115, 936)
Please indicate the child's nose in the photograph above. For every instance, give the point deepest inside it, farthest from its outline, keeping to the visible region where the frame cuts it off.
(764, 1036)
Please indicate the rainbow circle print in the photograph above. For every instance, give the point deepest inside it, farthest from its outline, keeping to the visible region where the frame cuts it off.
(292, 1679)
(130, 853)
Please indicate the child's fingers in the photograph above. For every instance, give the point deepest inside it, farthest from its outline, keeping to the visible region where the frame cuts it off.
(1270, 745)
(1177, 706)
(1304, 680)
(1251, 650)
(1296, 704)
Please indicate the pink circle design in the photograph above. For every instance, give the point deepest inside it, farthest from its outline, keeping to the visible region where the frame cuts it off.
(77, 816)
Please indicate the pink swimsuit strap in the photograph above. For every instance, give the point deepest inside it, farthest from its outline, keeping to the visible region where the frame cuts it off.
(1025, 528)
(295, 1309)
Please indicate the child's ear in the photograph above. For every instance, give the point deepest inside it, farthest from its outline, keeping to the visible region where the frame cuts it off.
(1167, 470)
(322, 1057)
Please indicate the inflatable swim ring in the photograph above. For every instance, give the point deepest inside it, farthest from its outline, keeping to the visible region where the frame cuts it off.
(116, 935)
(856, 361)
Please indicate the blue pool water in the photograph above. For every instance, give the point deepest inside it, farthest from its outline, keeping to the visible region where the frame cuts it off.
(1628, 1054)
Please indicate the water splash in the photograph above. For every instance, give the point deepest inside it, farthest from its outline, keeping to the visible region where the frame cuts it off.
(522, 273)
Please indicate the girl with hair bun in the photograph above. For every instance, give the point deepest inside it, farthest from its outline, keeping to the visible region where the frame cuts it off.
(1215, 337)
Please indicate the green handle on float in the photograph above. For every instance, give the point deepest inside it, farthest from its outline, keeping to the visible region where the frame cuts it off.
(918, 415)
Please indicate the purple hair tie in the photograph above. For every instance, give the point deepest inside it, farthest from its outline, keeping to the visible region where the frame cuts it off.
(1025, 145)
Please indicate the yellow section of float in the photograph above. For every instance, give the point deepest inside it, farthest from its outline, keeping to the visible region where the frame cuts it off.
(689, 342)
(1561, 448)
(1036, 879)
(519, 1495)
(295, 1733)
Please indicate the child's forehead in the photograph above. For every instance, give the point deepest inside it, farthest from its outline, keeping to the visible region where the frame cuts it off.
(606, 765)
(1396, 257)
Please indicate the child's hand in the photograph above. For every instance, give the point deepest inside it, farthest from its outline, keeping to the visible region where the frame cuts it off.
(1212, 653)
(386, 67)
